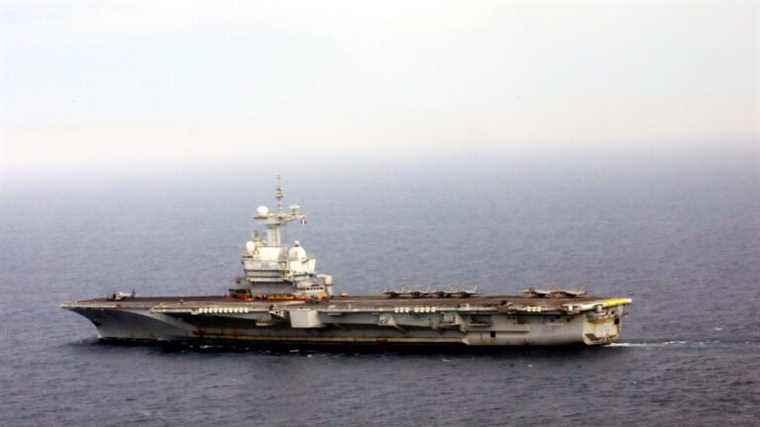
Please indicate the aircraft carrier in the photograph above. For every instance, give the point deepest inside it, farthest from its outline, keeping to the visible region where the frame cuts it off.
(281, 300)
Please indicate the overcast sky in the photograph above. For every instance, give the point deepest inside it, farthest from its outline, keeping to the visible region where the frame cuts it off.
(99, 82)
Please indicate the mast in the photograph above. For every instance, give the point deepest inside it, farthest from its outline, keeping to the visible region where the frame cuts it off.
(273, 221)
(279, 193)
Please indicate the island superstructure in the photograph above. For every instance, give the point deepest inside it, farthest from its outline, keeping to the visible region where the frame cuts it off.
(274, 271)
(281, 299)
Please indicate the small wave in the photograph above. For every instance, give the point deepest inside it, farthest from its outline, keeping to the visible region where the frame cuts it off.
(647, 344)
(690, 344)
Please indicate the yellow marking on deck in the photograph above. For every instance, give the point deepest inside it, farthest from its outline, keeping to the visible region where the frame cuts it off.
(612, 302)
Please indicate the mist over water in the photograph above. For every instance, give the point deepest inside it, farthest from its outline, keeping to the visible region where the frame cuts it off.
(677, 228)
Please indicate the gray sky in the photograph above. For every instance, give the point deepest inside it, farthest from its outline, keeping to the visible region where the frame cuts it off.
(88, 83)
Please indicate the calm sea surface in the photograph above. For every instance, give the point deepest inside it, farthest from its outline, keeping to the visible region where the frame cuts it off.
(679, 232)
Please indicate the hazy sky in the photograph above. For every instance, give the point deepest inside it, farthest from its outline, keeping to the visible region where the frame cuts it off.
(99, 82)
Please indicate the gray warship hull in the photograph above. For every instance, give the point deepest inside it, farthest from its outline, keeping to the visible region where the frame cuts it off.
(281, 299)
(363, 320)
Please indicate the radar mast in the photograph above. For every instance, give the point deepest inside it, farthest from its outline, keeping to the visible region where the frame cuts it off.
(273, 221)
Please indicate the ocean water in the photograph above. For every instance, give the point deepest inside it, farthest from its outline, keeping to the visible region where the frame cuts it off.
(677, 230)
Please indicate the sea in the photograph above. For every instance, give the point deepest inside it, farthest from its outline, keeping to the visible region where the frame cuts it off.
(674, 227)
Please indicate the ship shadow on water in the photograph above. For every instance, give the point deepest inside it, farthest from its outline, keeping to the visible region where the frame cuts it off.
(550, 352)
